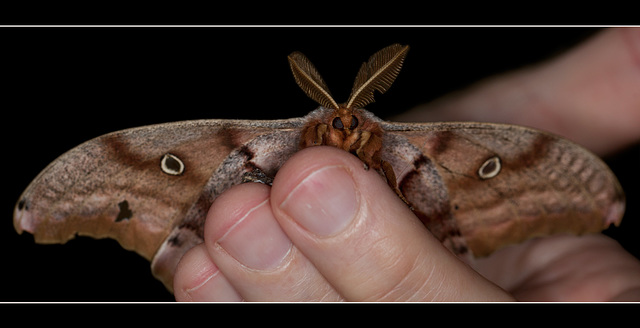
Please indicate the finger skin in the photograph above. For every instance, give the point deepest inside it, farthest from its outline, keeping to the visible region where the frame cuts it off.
(198, 279)
(257, 259)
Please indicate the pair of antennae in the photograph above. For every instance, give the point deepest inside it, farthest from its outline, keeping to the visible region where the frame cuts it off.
(375, 75)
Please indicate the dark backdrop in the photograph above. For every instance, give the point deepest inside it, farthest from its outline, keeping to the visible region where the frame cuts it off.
(64, 86)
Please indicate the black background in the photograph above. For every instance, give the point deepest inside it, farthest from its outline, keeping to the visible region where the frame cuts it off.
(65, 85)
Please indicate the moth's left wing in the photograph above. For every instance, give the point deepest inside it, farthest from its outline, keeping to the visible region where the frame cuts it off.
(150, 187)
(480, 186)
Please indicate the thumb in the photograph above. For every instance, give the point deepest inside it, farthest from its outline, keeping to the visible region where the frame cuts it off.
(362, 238)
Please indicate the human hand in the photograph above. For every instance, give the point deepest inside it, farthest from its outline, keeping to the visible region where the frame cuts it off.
(327, 230)
(355, 240)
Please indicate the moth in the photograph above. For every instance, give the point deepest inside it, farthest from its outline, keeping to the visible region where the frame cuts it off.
(476, 186)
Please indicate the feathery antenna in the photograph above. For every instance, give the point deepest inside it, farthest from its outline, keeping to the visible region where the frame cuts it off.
(375, 75)
(310, 80)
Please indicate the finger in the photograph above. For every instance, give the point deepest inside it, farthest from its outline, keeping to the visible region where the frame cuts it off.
(564, 268)
(198, 279)
(362, 238)
(589, 95)
(257, 258)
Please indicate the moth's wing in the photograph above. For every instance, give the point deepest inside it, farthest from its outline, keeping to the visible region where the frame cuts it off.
(115, 186)
(545, 184)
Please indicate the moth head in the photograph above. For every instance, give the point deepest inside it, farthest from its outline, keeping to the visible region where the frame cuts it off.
(344, 127)
(344, 119)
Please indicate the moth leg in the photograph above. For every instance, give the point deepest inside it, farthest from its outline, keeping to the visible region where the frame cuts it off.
(256, 175)
(390, 175)
(360, 152)
(313, 135)
(321, 129)
(368, 148)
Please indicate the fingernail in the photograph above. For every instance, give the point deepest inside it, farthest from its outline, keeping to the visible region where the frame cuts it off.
(324, 202)
(256, 240)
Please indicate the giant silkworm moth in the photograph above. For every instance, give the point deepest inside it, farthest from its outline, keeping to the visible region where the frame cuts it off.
(476, 186)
